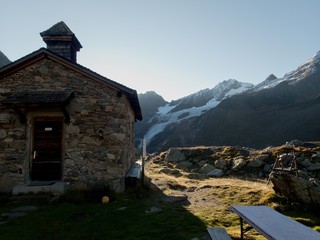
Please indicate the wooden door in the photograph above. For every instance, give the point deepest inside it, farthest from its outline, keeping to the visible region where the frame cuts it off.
(46, 160)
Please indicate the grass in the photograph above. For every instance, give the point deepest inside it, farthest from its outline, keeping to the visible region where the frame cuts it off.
(222, 193)
(128, 215)
(217, 194)
(121, 219)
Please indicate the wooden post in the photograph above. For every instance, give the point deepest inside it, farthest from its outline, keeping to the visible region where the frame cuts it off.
(144, 155)
(144, 147)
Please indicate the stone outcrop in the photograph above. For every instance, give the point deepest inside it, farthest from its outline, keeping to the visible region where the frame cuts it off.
(297, 189)
(224, 161)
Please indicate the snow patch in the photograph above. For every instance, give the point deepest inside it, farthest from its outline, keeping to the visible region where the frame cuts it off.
(303, 71)
(165, 116)
(164, 119)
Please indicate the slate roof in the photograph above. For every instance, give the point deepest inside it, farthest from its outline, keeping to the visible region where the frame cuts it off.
(3, 60)
(39, 97)
(60, 29)
(45, 53)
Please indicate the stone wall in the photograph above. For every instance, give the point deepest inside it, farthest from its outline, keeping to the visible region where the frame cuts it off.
(98, 142)
(224, 161)
(12, 150)
(232, 161)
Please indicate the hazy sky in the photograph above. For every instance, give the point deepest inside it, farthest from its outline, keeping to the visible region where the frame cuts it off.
(173, 47)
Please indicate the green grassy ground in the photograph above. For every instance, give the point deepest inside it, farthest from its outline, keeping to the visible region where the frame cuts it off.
(128, 216)
(120, 219)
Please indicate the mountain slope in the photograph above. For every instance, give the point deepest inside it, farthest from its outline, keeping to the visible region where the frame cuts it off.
(149, 103)
(285, 109)
(3, 60)
(191, 106)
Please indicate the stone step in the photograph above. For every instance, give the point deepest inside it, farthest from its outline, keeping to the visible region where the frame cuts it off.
(56, 188)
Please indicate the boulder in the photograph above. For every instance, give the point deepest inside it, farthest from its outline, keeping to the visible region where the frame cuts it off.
(197, 176)
(267, 168)
(300, 159)
(286, 158)
(169, 171)
(314, 167)
(238, 164)
(295, 142)
(215, 173)
(175, 198)
(303, 174)
(306, 163)
(201, 163)
(175, 155)
(263, 157)
(296, 189)
(315, 157)
(255, 163)
(221, 163)
(184, 165)
(207, 168)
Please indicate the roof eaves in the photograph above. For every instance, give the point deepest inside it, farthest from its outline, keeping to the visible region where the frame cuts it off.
(43, 52)
(22, 62)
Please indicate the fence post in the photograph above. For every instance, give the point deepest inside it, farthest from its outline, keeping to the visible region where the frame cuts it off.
(144, 155)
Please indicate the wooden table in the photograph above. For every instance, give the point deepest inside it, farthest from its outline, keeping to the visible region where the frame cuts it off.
(272, 224)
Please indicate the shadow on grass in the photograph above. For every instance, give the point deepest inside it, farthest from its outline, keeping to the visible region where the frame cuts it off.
(138, 214)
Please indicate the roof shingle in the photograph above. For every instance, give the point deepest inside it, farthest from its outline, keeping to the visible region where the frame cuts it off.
(39, 97)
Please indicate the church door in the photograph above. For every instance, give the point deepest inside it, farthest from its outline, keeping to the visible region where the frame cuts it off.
(46, 160)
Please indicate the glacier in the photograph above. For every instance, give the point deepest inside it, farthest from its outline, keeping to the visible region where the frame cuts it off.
(166, 116)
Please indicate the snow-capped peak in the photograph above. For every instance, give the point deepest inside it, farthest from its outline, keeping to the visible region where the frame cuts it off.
(194, 105)
(230, 87)
(224, 89)
(292, 77)
(303, 70)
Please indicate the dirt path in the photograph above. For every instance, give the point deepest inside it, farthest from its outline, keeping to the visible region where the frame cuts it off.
(204, 193)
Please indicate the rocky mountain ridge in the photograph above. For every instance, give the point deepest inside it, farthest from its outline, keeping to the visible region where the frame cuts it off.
(233, 113)
(158, 114)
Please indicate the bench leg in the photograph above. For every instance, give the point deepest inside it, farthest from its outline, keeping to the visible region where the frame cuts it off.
(218, 234)
(241, 228)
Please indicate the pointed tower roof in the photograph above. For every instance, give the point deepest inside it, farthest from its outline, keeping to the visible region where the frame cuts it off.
(59, 29)
(61, 40)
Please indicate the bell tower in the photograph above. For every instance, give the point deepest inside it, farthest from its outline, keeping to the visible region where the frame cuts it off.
(62, 41)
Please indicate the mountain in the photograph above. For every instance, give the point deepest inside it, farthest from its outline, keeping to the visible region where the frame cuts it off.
(3, 60)
(272, 112)
(158, 114)
(150, 102)
(302, 72)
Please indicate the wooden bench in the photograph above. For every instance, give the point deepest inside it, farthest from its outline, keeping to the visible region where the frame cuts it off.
(272, 224)
(218, 234)
(134, 173)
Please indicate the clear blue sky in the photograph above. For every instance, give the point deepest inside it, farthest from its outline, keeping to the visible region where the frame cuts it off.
(173, 47)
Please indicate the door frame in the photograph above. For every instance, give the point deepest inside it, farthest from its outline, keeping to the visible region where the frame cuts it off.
(31, 133)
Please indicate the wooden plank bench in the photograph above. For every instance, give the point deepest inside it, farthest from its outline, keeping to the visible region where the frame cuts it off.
(272, 224)
(218, 234)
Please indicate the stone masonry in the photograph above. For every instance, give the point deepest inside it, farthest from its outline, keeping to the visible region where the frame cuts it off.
(98, 143)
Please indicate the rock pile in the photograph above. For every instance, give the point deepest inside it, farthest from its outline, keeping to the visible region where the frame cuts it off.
(226, 161)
